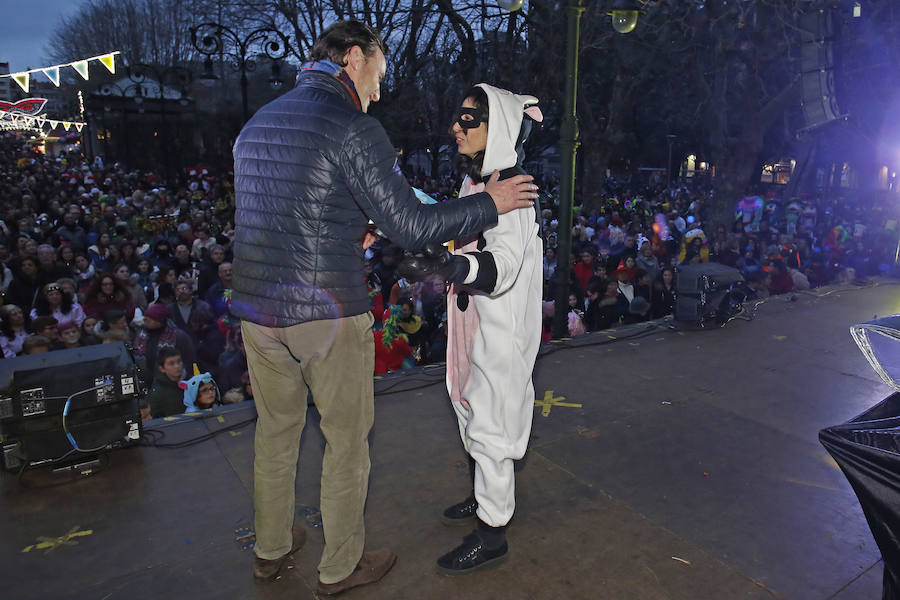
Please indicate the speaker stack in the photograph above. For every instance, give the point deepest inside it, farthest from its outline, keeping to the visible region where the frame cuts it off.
(817, 68)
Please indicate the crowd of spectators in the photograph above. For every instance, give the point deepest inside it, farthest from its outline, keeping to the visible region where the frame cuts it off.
(627, 248)
(629, 240)
(97, 253)
(93, 252)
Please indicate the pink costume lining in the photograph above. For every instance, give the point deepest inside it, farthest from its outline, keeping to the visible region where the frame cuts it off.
(461, 326)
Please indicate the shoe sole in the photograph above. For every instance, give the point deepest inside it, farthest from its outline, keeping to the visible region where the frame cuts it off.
(490, 564)
(457, 522)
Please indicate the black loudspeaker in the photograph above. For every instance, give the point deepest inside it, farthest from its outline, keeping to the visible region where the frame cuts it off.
(817, 68)
(816, 26)
(819, 102)
(703, 292)
(68, 403)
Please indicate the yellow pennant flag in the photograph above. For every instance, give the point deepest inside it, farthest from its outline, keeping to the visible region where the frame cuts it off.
(82, 67)
(66, 125)
(109, 61)
(79, 126)
(22, 79)
(52, 74)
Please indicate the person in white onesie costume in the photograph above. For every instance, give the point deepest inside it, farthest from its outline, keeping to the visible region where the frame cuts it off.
(494, 324)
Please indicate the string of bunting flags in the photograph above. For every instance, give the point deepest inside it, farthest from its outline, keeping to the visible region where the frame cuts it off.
(18, 121)
(7, 126)
(23, 78)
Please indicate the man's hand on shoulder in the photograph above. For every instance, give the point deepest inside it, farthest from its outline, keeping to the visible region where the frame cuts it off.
(510, 194)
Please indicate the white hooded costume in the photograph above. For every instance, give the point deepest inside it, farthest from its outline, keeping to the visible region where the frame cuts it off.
(494, 323)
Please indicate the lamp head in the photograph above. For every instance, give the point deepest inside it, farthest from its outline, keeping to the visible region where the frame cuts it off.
(624, 15)
(510, 5)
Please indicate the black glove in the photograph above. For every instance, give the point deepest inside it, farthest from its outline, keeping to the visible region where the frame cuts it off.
(434, 259)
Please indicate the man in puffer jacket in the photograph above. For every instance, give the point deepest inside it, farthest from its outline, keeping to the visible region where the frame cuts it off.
(311, 170)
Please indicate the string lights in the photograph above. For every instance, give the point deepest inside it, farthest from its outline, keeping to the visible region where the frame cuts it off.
(20, 121)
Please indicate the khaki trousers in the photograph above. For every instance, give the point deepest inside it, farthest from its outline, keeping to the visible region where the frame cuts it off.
(335, 360)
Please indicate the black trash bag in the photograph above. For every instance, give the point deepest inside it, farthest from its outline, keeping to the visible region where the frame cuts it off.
(867, 449)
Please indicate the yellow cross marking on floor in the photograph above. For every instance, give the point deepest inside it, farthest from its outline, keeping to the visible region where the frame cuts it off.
(549, 402)
(49, 543)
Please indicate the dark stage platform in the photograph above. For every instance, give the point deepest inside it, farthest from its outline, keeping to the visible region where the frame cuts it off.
(664, 464)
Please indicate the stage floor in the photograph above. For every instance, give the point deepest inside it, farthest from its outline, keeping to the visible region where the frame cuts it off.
(664, 464)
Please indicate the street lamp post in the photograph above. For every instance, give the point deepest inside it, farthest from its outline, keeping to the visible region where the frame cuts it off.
(568, 145)
(213, 38)
(671, 139)
(624, 14)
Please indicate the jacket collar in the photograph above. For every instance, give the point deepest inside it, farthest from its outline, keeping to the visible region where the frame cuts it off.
(334, 73)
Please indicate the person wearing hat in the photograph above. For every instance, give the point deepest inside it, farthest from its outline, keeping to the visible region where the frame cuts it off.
(161, 256)
(155, 333)
(72, 232)
(625, 277)
(494, 316)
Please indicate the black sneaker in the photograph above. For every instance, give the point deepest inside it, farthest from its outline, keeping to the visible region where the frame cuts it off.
(461, 513)
(470, 556)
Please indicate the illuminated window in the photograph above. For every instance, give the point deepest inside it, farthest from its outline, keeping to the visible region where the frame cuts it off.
(848, 176)
(883, 183)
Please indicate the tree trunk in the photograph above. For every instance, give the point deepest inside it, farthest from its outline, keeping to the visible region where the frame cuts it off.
(736, 159)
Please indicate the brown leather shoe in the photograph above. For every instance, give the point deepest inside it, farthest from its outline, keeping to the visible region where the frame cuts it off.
(268, 569)
(372, 566)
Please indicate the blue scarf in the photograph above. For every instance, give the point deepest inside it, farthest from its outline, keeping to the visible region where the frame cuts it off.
(336, 71)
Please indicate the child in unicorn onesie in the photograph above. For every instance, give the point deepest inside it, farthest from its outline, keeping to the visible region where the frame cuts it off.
(200, 392)
(494, 324)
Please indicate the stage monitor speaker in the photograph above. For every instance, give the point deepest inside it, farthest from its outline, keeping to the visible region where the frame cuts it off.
(705, 278)
(703, 291)
(102, 387)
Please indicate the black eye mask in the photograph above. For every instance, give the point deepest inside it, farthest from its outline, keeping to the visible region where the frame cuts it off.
(478, 115)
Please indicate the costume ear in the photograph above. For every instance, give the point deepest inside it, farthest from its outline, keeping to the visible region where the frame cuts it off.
(535, 113)
(182, 385)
